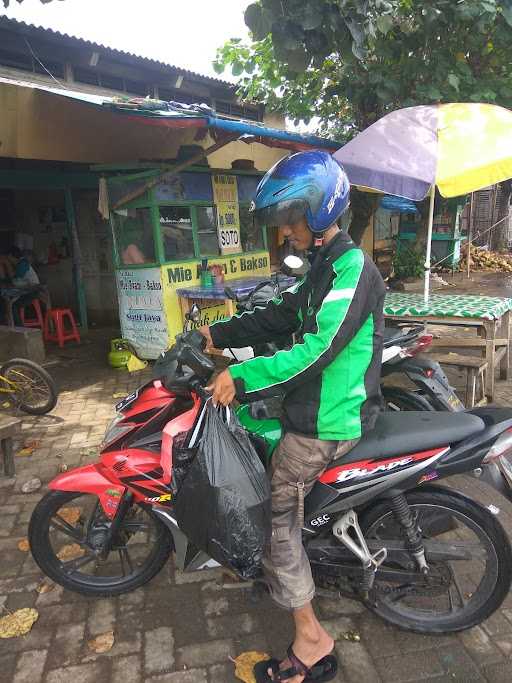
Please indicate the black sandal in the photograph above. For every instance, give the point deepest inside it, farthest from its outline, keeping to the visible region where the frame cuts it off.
(324, 670)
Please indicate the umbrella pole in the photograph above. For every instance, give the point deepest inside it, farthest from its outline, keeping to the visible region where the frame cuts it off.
(429, 243)
(470, 235)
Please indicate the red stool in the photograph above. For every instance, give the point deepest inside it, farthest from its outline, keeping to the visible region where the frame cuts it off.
(54, 328)
(38, 321)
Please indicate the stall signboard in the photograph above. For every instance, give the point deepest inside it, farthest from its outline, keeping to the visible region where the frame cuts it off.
(225, 196)
(187, 274)
(141, 310)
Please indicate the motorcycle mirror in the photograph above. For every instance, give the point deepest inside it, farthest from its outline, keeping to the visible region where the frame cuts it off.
(194, 314)
(293, 262)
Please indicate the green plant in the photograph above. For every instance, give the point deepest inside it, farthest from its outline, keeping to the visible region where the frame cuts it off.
(346, 63)
(408, 262)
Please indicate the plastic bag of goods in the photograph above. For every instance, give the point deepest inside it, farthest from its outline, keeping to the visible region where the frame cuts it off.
(223, 504)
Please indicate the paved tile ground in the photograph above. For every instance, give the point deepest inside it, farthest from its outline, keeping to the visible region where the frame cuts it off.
(182, 628)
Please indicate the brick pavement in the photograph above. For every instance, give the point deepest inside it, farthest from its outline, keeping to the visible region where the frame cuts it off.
(182, 628)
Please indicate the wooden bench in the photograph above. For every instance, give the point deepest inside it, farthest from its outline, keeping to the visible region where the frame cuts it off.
(9, 427)
(476, 370)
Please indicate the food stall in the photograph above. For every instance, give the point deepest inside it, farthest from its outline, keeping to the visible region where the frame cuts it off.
(447, 234)
(189, 229)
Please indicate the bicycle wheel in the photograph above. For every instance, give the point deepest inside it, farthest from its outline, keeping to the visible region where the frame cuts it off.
(33, 389)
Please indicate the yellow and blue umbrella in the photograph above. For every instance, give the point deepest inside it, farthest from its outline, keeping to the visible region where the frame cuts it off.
(459, 148)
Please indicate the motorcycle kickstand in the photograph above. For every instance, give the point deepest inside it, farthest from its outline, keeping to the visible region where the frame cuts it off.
(358, 546)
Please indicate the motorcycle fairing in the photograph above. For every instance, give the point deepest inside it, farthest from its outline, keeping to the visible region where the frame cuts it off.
(92, 479)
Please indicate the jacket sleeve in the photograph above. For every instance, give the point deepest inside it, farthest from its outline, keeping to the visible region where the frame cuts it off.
(279, 317)
(343, 311)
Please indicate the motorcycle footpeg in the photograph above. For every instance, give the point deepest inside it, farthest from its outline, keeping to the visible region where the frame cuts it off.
(358, 546)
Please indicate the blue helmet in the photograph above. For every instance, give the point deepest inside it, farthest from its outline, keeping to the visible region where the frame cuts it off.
(311, 184)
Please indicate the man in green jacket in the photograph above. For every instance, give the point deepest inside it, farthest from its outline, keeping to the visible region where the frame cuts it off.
(329, 378)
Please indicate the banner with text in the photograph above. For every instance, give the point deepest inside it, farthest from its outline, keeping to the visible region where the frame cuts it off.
(182, 275)
(225, 196)
(141, 310)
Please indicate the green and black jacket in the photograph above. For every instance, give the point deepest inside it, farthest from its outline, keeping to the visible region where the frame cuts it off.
(330, 377)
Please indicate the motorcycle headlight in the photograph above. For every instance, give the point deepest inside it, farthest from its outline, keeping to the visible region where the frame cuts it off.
(115, 431)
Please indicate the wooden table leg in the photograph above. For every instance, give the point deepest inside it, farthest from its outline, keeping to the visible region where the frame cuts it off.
(490, 357)
(9, 311)
(230, 307)
(8, 457)
(505, 332)
(185, 305)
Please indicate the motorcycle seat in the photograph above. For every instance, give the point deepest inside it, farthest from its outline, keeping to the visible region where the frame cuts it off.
(403, 433)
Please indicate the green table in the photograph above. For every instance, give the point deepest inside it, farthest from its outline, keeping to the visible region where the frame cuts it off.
(490, 316)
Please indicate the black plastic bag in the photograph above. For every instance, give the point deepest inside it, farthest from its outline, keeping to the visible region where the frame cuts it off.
(223, 504)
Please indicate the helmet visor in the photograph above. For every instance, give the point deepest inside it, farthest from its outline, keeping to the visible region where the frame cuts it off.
(286, 212)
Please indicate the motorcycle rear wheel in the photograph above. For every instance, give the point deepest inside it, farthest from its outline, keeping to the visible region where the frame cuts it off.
(63, 546)
(452, 583)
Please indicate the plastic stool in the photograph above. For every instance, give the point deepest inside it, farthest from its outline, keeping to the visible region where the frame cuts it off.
(38, 321)
(54, 328)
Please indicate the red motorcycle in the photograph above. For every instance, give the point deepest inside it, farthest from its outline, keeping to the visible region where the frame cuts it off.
(423, 557)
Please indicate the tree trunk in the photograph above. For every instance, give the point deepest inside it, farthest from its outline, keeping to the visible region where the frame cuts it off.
(363, 206)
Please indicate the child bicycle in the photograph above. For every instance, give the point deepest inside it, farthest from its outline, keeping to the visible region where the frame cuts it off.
(28, 386)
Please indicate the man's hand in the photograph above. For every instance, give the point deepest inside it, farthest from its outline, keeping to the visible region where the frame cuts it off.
(205, 331)
(223, 389)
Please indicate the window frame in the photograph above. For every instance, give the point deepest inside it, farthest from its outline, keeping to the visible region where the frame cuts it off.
(148, 201)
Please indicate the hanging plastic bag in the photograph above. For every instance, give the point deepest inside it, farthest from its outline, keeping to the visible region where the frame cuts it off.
(223, 504)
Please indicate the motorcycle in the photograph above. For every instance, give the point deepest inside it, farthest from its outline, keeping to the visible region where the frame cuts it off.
(433, 390)
(376, 527)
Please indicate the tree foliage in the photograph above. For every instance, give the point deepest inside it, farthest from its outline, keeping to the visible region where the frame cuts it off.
(7, 2)
(348, 62)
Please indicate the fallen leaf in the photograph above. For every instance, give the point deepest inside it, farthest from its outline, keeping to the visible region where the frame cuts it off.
(102, 643)
(18, 623)
(25, 452)
(245, 663)
(31, 485)
(45, 586)
(23, 545)
(70, 515)
(89, 451)
(70, 552)
(118, 395)
(352, 636)
(6, 404)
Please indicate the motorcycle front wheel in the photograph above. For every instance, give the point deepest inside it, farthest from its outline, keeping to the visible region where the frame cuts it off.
(455, 594)
(66, 531)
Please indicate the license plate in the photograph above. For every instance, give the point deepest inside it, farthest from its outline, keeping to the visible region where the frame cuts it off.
(127, 401)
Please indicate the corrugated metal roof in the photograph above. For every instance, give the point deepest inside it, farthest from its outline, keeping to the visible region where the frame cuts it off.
(175, 115)
(129, 57)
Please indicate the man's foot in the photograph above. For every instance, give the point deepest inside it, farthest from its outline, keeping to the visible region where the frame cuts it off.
(309, 651)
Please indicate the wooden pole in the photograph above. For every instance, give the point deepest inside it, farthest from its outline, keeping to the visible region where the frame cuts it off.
(77, 259)
(174, 169)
